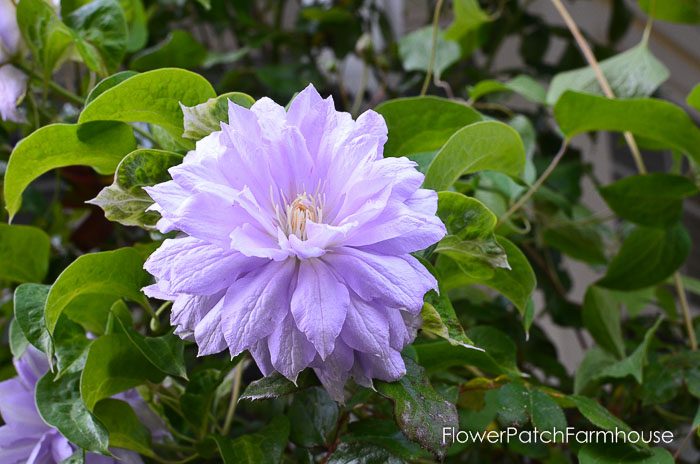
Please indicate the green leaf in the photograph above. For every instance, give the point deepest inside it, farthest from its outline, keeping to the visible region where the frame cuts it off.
(18, 342)
(423, 124)
(487, 145)
(48, 38)
(415, 50)
(117, 273)
(124, 428)
(675, 11)
(468, 16)
(632, 365)
(601, 316)
(472, 243)
(513, 404)
(107, 83)
(362, 453)
(521, 84)
(29, 313)
(263, 447)
(579, 241)
(633, 73)
(153, 97)
(125, 201)
(24, 253)
(597, 414)
(137, 24)
(59, 404)
(205, 118)
(439, 318)
(619, 454)
(166, 352)
(199, 394)
(419, 410)
(100, 145)
(588, 372)
(545, 413)
(314, 415)
(657, 120)
(178, 50)
(516, 283)
(71, 346)
(648, 256)
(100, 34)
(693, 98)
(654, 199)
(276, 385)
(114, 365)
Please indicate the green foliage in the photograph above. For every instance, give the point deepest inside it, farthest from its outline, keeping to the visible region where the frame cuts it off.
(24, 252)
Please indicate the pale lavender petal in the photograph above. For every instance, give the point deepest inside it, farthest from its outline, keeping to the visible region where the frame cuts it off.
(319, 305)
(290, 350)
(13, 85)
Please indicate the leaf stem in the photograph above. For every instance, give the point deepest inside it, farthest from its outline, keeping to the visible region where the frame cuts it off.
(433, 48)
(68, 95)
(536, 185)
(235, 393)
(685, 308)
(600, 76)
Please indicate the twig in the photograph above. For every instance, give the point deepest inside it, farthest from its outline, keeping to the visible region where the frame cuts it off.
(68, 95)
(600, 76)
(235, 393)
(433, 48)
(538, 183)
(685, 308)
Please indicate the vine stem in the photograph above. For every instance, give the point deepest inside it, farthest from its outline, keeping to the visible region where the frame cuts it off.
(683, 300)
(68, 95)
(600, 76)
(433, 48)
(235, 393)
(538, 183)
(631, 142)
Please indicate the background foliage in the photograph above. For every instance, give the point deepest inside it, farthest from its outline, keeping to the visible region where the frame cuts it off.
(104, 118)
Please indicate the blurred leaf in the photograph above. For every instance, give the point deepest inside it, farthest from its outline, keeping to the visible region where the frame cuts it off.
(415, 50)
(633, 364)
(633, 73)
(100, 33)
(521, 84)
(29, 313)
(125, 201)
(422, 124)
(178, 50)
(124, 428)
(114, 365)
(48, 38)
(117, 273)
(199, 394)
(153, 97)
(205, 118)
(481, 146)
(657, 120)
(276, 385)
(24, 253)
(468, 16)
(579, 241)
(654, 199)
(362, 453)
(60, 406)
(137, 24)
(420, 411)
(675, 11)
(545, 413)
(513, 404)
(263, 447)
(314, 415)
(648, 256)
(98, 144)
(601, 316)
(693, 98)
(619, 454)
(597, 414)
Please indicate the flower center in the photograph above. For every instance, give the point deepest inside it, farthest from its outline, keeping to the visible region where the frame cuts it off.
(304, 208)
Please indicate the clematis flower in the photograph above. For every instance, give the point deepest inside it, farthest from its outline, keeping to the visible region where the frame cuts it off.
(25, 437)
(296, 241)
(13, 82)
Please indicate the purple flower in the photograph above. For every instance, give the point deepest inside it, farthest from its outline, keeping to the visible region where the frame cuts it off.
(296, 241)
(13, 83)
(25, 437)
